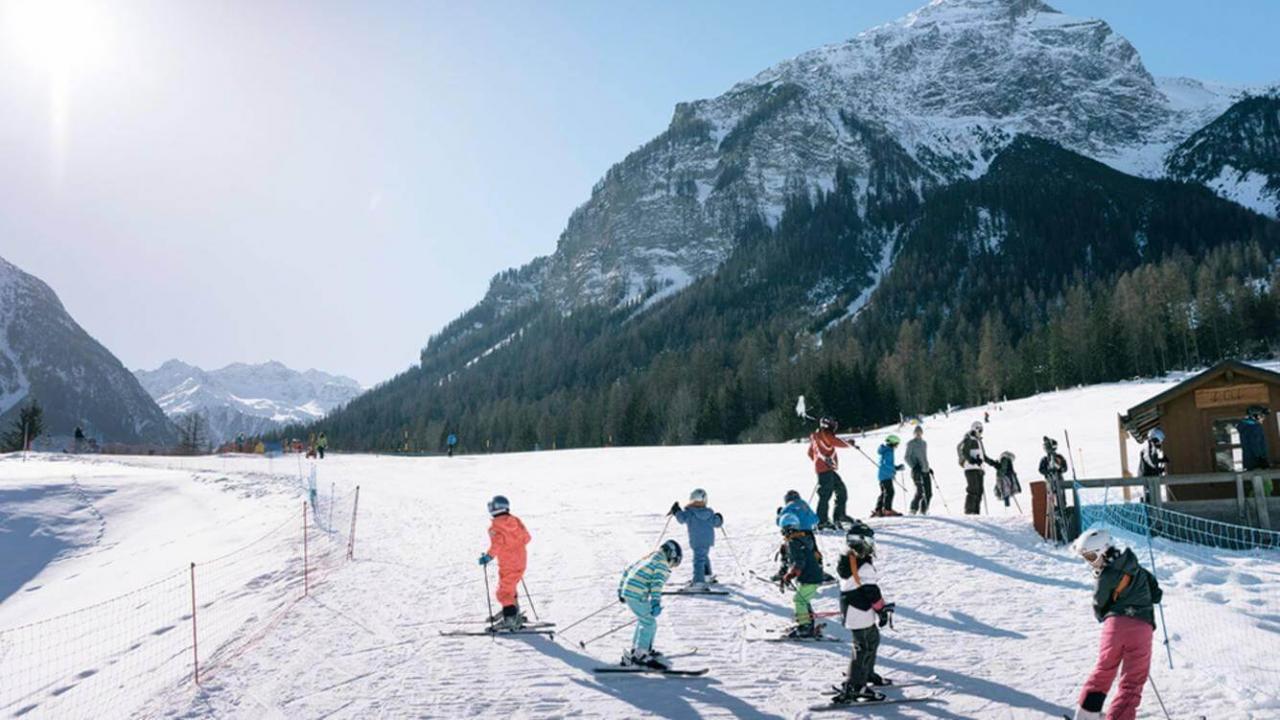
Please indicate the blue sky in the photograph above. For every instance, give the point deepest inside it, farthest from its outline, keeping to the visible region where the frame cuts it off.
(328, 184)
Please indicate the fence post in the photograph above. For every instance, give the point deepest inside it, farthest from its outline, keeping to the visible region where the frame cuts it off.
(1260, 497)
(351, 538)
(1241, 514)
(195, 647)
(306, 580)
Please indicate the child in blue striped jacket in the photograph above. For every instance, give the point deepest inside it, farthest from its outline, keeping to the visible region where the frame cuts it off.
(641, 589)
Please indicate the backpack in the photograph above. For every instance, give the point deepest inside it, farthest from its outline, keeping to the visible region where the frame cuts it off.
(960, 451)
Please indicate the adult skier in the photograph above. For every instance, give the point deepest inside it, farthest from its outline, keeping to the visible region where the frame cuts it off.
(641, 589)
(806, 573)
(451, 443)
(507, 540)
(322, 442)
(822, 451)
(807, 519)
(865, 612)
(1253, 439)
(1123, 602)
(1007, 484)
(702, 522)
(1152, 461)
(886, 471)
(1053, 468)
(917, 458)
(972, 457)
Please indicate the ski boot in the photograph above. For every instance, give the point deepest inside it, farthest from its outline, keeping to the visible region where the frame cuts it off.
(805, 631)
(877, 513)
(890, 512)
(850, 695)
(645, 659)
(824, 525)
(696, 587)
(713, 580)
(512, 619)
(878, 680)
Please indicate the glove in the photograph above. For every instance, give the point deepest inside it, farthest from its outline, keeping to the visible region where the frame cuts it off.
(486, 558)
(621, 599)
(675, 508)
(719, 518)
(655, 608)
(886, 614)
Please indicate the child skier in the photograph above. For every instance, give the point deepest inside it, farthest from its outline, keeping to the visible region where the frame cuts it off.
(795, 505)
(865, 612)
(702, 522)
(641, 589)
(805, 570)
(507, 540)
(887, 470)
(1123, 602)
(1007, 484)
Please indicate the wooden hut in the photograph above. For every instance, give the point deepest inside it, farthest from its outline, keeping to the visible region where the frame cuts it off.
(1199, 416)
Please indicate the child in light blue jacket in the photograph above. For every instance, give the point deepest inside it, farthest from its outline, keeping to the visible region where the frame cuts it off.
(702, 522)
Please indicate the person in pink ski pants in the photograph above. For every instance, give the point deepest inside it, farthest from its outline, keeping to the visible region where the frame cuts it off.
(1123, 602)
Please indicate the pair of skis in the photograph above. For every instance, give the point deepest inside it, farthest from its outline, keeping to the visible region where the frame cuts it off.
(641, 670)
(535, 628)
(858, 704)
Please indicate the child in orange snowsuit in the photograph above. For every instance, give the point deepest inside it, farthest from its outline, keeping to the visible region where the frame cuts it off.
(507, 540)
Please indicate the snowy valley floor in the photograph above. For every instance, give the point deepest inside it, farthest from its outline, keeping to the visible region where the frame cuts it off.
(1002, 619)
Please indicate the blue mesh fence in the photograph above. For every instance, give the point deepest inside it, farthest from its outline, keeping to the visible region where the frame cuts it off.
(1146, 521)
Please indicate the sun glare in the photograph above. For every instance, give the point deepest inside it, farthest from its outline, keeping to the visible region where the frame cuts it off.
(57, 36)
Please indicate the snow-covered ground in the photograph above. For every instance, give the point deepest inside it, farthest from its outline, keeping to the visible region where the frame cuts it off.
(1002, 619)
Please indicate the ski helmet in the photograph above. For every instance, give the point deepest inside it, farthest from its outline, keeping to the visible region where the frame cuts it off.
(499, 505)
(829, 423)
(1156, 436)
(1050, 445)
(1007, 454)
(788, 522)
(976, 427)
(863, 546)
(671, 549)
(1256, 411)
(860, 529)
(892, 441)
(791, 496)
(1092, 545)
(698, 495)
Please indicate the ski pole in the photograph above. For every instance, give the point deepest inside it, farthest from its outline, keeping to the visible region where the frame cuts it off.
(664, 531)
(934, 478)
(1158, 698)
(1015, 502)
(488, 601)
(529, 597)
(732, 551)
(877, 466)
(583, 643)
(578, 622)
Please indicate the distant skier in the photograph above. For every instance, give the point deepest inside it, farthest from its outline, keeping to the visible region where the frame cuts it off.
(451, 443)
(702, 522)
(507, 540)
(1152, 461)
(972, 457)
(865, 612)
(917, 458)
(886, 472)
(807, 521)
(1123, 601)
(240, 443)
(1007, 484)
(822, 451)
(641, 589)
(1053, 468)
(79, 440)
(805, 571)
(322, 442)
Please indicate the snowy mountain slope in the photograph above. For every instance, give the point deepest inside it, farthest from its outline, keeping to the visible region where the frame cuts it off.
(936, 93)
(1237, 155)
(1001, 619)
(44, 354)
(249, 399)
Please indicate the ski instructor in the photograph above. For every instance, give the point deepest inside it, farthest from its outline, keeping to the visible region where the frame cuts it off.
(822, 451)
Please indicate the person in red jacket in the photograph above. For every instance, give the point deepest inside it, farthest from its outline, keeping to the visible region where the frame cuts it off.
(822, 451)
(507, 540)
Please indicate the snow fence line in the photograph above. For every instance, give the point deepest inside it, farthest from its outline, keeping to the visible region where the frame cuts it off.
(113, 657)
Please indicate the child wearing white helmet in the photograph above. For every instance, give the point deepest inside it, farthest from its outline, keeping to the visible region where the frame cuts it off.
(702, 522)
(1123, 601)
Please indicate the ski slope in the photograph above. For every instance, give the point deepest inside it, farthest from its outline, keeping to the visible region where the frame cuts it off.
(1002, 619)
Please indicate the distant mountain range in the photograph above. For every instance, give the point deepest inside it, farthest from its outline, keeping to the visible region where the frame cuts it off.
(249, 399)
(944, 208)
(45, 355)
